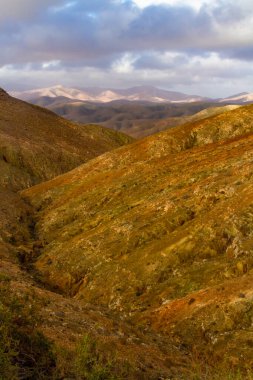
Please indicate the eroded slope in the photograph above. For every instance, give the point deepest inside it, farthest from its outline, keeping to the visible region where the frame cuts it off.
(161, 232)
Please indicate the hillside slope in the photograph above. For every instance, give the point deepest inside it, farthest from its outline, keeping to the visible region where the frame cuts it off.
(143, 128)
(161, 232)
(36, 144)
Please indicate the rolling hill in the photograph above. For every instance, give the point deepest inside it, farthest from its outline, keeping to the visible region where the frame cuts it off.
(137, 119)
(143, 128)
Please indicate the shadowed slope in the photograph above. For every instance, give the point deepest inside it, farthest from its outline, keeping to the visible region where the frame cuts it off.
(137, 119)
(36, 145)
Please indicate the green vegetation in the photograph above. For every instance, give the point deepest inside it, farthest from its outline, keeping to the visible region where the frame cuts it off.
(25, 353)
(99, 362)
(207, 368)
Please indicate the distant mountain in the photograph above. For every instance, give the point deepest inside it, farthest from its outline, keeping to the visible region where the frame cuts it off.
(243, 97)
(53, 92)
(103, 95)
(134, 94)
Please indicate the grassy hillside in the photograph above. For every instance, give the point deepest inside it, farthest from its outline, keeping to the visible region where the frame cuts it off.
(160, 233)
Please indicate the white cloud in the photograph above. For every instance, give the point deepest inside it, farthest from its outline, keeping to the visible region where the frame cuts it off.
(50, 64)
(192, 3)
(209, 76)
(113, 43)
(124, 65)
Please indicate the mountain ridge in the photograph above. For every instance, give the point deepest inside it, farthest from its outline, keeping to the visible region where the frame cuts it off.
(243, 97)
(103, 95)
(134, 94)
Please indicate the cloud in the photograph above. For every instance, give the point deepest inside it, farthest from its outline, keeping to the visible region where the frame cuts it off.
(86, 31)
(168, 25)
(207, 75)
(193, 3)
(127, 39)
(21, 10)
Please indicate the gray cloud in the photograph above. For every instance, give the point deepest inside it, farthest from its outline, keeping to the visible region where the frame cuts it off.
(168, 25)
(22, 10)
(87, 31)
(99, 36)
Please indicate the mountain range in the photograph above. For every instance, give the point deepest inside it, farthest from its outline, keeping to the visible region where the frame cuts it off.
(138, 93)
(99, 95)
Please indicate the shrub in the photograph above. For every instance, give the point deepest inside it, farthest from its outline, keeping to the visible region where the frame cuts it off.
(99, 361)
(25, 353)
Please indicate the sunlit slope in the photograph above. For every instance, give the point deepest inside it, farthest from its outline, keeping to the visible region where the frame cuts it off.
(134, 214)
(143, 128)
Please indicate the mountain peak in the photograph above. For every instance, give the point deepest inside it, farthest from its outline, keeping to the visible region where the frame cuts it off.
(3, 92)
(243, 97)
(57, 86)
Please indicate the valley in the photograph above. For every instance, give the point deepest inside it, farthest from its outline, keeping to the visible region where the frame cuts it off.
(139, 111)
(135, 256)
(126, 190)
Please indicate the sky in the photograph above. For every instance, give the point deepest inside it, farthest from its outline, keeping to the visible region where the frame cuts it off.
(193, 46)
